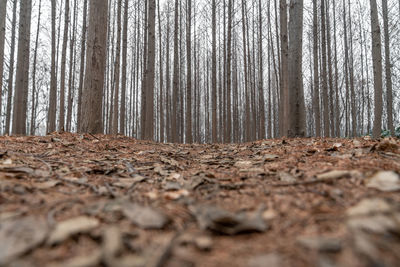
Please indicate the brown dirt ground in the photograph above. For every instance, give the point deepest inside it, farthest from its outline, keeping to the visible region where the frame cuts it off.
(62, 176)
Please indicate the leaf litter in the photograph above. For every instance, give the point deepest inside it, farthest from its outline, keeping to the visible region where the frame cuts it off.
(82, 200)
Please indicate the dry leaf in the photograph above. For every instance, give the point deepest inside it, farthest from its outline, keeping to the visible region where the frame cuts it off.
(386, 181)
(67, 228)
(145, 217)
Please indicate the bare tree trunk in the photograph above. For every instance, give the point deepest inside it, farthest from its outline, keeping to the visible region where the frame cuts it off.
(150, 73)
(297, 116)
(246, 83)
(377, 64)
(92, 119)
(117, 71)
(63, 67)
(337, 109)
(161, 81)
(3, 14)
(122, 123)
(284, 71)
(22, 78)
(82, 66)
(317, 112)
(53, 78)
(214, 72)
(389, 93)
(175, 89)
(325, 102)
(71, 79)
(261, 101)
(352, 86)
(330, 72)
(34, 100)
(11, 70)
(188, 114)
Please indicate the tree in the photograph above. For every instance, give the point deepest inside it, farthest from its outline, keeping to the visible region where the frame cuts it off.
(11, 70)
(317, 114)
(214, 72)
(188, 134)
(82, 64)
(388, 71)
(34, 90)
(92, 97)
(53, 76)
(114, 120)
(3, 14)
(325, 103)
(175, 82)
(297, 116)
(22, 78)
(150, 73)
(63, 67)
(284, 71)
(377, 66)
(124, 68)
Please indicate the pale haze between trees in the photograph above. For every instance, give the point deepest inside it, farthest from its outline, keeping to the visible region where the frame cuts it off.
(200, 71)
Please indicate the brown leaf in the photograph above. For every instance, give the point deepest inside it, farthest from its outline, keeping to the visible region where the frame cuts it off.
(145, 217)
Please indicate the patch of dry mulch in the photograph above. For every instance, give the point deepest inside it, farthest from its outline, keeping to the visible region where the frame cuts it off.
(83, 200)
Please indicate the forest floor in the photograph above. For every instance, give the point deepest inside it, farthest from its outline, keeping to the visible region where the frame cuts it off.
(84, 200)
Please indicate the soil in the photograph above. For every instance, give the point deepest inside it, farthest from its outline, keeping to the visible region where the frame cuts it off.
(96, 200)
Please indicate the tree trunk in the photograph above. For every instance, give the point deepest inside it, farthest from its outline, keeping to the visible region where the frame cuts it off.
(92, 119)
(34, 100)
(188, 113)
(53, 78)
(325, 102)
(11, 70)
(297, 116)
(150, 73)
(284, 70)
(377, 65)
(72, 61)
(261, 101)
(317, 112)
(3, 14)
(175, 89)
(122, 123)
(117, 71)
(22, 78)
(389, 89)
(63, 67)
(214, 72)
(82, 66)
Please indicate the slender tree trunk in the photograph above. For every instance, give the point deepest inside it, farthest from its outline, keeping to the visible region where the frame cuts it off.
(150, 73)
(388, 71)
(284, 71)
(330, 71)
(161, 78)
(377, 64)
(246, 84)
(317, 112)
(188, 113)
(324, 72)
(214, 72)
(228, 138)
(117, 71)
(122, 123)
(71, 79)
(297, 116)
(175, 89)
(261, 101)
(3, 15)
(352, 86)
(63, 67)
(11, 70)
(92, 119)
(34, 100)
(22, 78)
(337, 107)
(53, 78)
(82, 65)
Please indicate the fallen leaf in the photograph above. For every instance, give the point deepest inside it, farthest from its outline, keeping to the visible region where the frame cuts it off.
(63, 230)
(19, 236)
(243, 164)
(270, 157)
(174, 195)
(145, 217)
(332, 175)
(266, 260)
(386, 181)
(225, 222)
(322, 244)
(369, 207)
(286, 177)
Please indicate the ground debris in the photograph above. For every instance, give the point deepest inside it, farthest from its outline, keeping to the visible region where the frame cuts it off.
(102, 200)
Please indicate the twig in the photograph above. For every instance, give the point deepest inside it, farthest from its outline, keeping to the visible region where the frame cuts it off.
(94, 136)
(111, 191)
